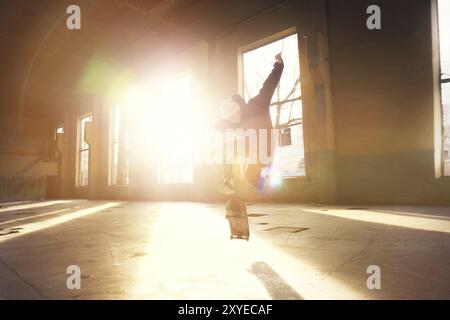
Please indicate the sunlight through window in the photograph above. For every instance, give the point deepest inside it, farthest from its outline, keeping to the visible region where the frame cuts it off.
(83, 153)
(444, 47)
(120, 148)
(177, 140)
(286, 105)
(168, 123)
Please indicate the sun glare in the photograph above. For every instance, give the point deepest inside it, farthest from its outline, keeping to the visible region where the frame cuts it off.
(170, 116)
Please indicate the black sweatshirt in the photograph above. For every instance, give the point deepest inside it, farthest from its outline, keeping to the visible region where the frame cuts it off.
(256, 112)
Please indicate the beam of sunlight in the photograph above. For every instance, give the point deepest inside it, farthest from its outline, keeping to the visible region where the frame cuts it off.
(34, 205)
(392, 219)
(33, 217)
(188, 255)
(414, 214)
(40, 225)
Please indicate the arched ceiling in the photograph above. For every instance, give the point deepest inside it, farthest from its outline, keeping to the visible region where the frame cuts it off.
(41, 61)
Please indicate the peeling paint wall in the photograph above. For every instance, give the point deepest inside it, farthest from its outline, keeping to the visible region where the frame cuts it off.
(25, 164)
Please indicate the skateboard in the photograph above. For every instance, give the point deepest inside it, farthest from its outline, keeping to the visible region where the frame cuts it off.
(238, 219)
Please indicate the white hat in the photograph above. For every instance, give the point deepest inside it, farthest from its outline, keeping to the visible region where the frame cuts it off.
(230, 110)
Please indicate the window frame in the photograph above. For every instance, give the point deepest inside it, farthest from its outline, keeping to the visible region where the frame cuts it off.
(438, 82)
(111, 144)
(241, 85)
(61, 126)
(256, 45)
(80, 150)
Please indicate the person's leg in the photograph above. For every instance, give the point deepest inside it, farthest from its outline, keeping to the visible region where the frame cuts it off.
(228, 171)
(253, 174)
(258, 175)
(227, 185)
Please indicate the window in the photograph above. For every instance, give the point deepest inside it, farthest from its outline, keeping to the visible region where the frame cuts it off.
(285, 137)
(286, 105)
(176, 143)
(166, 124)
(83, 153)
(58, 130)
(119, 148)
(444, 48)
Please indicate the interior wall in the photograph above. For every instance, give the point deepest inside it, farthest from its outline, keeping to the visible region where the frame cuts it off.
(34, 125)
(383, 103)
(26, 161)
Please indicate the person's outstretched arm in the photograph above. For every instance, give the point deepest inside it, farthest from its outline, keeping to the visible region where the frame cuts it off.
(270, 84)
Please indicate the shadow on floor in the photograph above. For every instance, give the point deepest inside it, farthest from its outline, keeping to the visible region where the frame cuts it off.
(275, 285)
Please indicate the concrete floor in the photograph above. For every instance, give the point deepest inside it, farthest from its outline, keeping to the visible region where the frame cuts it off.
(162, 250)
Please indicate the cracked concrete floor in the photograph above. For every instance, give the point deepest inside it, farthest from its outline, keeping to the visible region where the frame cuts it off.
(181, 250)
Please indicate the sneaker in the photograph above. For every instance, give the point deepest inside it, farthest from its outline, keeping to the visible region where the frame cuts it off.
(227, 187)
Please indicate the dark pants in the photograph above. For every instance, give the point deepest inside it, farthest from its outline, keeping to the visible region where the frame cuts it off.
(252, 173)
